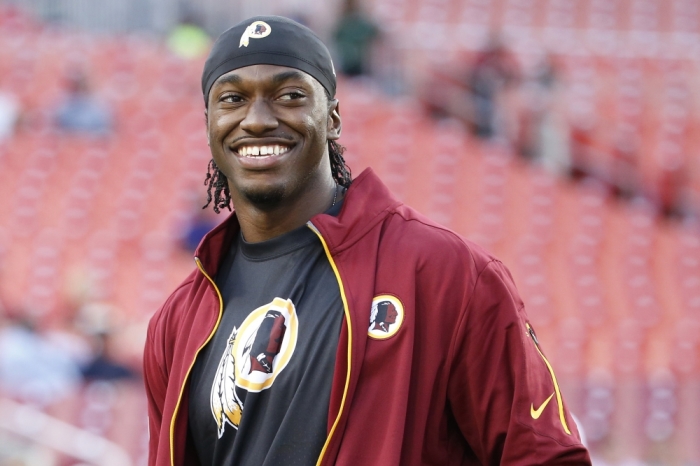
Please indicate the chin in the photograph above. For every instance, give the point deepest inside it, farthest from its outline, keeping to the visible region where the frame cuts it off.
(265, 199)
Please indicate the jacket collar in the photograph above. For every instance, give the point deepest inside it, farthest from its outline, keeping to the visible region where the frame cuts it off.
(366, 203)
(212, 248)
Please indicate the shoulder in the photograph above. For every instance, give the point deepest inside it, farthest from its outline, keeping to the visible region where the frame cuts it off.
(171, 312)
(434, 242)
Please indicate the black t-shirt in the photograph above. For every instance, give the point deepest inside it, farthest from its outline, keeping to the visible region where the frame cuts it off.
(260, 389)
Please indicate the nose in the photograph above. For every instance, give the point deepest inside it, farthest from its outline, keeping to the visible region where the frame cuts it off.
(259, 118)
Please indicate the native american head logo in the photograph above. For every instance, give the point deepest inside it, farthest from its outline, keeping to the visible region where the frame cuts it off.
(385, 317)
(257, 351)
(256, 30)
(267, 342)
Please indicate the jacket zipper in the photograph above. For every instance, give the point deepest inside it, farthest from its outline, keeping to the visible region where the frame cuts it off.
(346, 309)
(560, 403)
(187, 375)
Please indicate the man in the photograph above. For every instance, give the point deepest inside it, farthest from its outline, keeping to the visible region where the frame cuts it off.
(81, 111)
(269, 353)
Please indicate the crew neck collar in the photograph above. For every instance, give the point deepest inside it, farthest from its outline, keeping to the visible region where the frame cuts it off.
(283, 244)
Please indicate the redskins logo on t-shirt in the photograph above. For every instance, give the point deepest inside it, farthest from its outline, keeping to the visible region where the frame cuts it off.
(255, 354)
(386, 317)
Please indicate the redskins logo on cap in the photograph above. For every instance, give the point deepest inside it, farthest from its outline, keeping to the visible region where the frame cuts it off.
(256, 30)
(386, 317)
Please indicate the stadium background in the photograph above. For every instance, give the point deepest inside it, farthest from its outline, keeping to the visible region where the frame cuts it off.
(602, 237)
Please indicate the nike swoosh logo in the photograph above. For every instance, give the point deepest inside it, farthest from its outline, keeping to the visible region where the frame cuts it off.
(536, 413)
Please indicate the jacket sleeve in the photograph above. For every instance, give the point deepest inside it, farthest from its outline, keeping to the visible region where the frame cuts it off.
(502, 390)
(156, 381)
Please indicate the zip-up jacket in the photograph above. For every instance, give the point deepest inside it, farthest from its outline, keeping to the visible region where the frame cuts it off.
(459, 379)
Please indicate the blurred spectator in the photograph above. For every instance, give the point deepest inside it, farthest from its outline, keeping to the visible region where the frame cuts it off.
(543, 134)
(95, 321)
(673, 188)
(201, 222)
(33, 369)
(81, 111)
(444, 92)
(188, 40)
(494, 72)
(104, 366)
(354, 35)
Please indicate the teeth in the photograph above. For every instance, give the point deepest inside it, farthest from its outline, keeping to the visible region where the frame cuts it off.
(252, 151)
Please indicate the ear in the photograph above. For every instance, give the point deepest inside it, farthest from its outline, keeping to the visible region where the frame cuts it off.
(206, 125)
(334, 123)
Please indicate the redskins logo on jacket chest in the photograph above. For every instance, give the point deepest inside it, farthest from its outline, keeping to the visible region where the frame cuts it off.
(386, 317)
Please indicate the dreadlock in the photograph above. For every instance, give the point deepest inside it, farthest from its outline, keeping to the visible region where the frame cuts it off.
(216, 180)
(341, 172)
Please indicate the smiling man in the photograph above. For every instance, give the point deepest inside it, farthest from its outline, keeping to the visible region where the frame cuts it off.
(321, 294)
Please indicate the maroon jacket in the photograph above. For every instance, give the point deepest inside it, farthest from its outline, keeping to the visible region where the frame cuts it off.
(457, 379)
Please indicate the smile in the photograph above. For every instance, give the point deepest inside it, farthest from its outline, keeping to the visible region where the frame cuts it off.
(262, 151)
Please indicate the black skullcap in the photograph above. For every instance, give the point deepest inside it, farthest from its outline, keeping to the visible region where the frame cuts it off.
(269, 40)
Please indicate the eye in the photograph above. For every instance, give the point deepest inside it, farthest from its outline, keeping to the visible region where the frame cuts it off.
(231, 98)
(292, 96)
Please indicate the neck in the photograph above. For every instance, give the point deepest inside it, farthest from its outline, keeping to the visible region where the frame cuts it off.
(260, 224)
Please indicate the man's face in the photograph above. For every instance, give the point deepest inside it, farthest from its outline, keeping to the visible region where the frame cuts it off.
(391, 315)
(268, 128)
